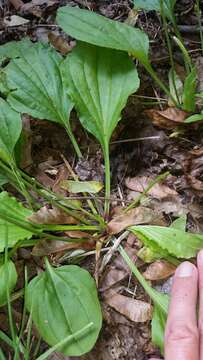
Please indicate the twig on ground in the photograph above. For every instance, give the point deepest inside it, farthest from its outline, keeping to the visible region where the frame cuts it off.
(112, 250)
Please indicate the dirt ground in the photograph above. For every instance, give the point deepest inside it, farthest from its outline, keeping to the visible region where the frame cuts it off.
(142, 146)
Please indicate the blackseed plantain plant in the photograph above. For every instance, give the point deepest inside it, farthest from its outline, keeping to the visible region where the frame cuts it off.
(95, 79)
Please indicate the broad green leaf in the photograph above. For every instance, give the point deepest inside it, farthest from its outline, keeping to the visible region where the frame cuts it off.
(14, 49)
(179, 223)
(95, 29)
(8, 279)
(62, 301)
(160, 301)
(177, 89)
(81, 186)
(36, 84)
(169, 240)
(193, 118)
(3, 179)
(36, 87)
(10, 129)
(189, 91)
(12, 209)
(100, 81)
(148, 5)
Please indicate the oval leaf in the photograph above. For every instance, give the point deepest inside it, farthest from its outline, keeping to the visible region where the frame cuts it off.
(62, 301)
(81, 186)
(100, 31)
(169, 240)
(148, 5)
(8, 279)
(11, 208)
(10, 130)
(36, 85)
(100, 81)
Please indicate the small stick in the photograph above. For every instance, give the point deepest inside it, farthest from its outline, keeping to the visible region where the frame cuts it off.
(107, 257)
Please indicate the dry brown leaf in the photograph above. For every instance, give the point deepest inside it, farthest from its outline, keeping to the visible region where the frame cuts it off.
(118, 271)
(38, 7)
(135, 310)
(59, 43)
(167, 119)
(62, 174)
(172, 205)
(26, 153)
(140, 183)
(47, 247)
(76, 234)
(51, 216)
(139, 215)
(159, 270)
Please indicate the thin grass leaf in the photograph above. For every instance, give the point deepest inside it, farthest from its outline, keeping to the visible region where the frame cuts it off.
(160, 301)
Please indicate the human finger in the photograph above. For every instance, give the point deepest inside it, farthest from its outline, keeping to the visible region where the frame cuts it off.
(181, 336)
(200, 272)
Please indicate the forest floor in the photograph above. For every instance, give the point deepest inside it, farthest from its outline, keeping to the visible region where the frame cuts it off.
(145, 144)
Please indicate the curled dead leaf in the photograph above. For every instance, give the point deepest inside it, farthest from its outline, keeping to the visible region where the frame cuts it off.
(54, 215)
(169, 118)
(139, 215)
(140, 183)
(159, 270)
(135, 310)
(59, 43)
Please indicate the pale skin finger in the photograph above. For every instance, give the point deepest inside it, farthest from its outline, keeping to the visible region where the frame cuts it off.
(200, 270)
(181, 336)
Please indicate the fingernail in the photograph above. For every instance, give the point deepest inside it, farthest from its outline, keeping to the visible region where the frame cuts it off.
(200, 257)
(184, 270)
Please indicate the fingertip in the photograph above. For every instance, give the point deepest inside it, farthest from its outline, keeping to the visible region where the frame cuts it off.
(200, 258)
(186, 269)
